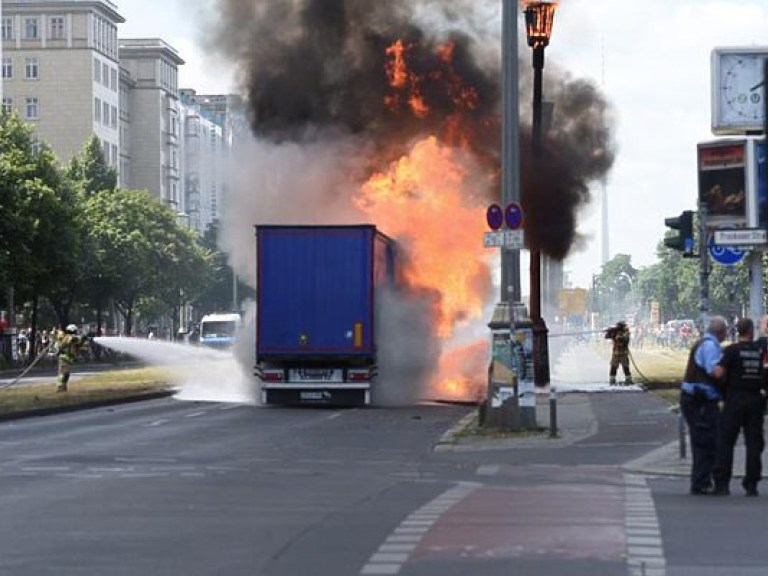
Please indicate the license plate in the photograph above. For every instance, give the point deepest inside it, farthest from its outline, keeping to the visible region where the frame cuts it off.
(316, 375)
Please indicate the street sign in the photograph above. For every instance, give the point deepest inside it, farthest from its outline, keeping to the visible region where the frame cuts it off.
(512, 239)
(725, 255)
(740, 237)
(494, 216)
(513, 216)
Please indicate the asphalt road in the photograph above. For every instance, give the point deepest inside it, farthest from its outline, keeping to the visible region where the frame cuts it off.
(166, 487)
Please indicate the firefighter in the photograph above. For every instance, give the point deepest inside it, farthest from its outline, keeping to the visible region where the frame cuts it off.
(68, 345)
(745, 386)
(619, 334)
(699, 398)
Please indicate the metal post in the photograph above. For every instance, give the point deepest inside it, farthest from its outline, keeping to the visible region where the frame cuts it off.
(704, 266)
(553, 413)
(510, 144)
(540, 343)
(681, 433)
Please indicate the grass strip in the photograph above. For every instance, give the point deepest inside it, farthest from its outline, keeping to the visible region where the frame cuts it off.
(90, 389)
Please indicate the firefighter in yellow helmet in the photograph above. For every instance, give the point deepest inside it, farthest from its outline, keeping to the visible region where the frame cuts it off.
(68, 345)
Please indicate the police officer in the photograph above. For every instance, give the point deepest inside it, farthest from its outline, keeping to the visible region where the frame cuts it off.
(745, 386)
(620, 353)
(699, 397)
(68, 345)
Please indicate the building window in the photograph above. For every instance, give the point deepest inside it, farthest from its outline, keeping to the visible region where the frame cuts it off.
(7, 104)
(30, 29)
(97, 110)
(105, 74)
(31, 70)
(97, 70)
(7, 28)
(105, 149)
(114, 154)
(113, 79)
(105, 114)
(7, 68)
(113, 122)
(57, 30)
(31, 111)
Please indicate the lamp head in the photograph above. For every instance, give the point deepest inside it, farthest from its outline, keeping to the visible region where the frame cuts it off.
(539, 17)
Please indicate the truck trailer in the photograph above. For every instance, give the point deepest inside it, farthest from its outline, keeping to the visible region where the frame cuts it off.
(317, 311)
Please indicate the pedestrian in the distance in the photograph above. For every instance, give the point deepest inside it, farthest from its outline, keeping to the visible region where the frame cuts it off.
(619, 334)
(744, 376)
(699, 398)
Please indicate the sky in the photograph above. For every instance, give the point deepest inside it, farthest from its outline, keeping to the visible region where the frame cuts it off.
(651, 58)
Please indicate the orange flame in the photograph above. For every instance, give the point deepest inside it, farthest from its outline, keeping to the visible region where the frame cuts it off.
(432, 200)
(421, 200)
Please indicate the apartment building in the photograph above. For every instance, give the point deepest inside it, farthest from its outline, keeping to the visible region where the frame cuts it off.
(66, 71)
(151, 119)
(203, 162)
(60, 71)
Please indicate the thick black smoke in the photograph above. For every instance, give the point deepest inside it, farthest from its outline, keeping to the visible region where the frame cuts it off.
(314, 66)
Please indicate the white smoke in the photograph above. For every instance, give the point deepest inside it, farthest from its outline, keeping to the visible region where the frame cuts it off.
(288, 183)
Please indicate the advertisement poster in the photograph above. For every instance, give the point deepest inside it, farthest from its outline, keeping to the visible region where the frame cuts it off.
(722, 183)
(501, 358)
(522, 358)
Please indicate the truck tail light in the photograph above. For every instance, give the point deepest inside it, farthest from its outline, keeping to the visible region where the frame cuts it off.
(359, 375)
(272, 375)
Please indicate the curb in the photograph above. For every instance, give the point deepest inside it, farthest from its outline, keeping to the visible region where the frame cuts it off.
(448, 440)
(86, 405)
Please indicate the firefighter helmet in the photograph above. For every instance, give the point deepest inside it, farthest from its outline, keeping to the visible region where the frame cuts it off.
(71, 329)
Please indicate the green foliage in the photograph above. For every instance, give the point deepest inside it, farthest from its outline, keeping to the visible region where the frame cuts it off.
(91, 170)
(219, 289)
(140, 249)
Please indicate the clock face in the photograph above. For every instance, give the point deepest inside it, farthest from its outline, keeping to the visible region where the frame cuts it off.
(741, 90)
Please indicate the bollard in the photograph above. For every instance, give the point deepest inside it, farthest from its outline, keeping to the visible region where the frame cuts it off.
(681, 434)
(552, 413)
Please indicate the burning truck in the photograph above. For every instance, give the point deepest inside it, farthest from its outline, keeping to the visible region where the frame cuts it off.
(317, 312)
(390, 113)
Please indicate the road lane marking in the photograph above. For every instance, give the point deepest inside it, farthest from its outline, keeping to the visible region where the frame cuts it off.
(488, 470)
(397, 548)
(645, 548)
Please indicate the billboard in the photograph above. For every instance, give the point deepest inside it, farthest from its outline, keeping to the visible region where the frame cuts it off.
(723, 190)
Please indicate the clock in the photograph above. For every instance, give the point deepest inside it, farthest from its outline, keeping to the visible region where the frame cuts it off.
(738, 90)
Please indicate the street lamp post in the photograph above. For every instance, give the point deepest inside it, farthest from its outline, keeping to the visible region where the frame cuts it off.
(539, 17)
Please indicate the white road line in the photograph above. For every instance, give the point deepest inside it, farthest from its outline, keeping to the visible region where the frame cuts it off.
(195, 414)
(645, 548)
(399, 545)
(488, 470)
(156, 423)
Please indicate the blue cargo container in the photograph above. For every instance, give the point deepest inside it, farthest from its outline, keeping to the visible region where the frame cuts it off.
(316, 316)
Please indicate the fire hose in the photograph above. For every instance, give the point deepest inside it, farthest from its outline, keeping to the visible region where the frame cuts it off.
(28, 368)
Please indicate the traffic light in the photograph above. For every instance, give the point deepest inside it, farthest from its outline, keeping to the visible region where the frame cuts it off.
(683, 241)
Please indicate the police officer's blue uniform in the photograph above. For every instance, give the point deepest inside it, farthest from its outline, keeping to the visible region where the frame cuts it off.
(699, 400)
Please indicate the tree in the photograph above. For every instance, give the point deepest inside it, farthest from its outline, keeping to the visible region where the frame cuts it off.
(218, 294)
(90, 169)
(91, 173)
(140, 249)
(39, 241)
(614, 287)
